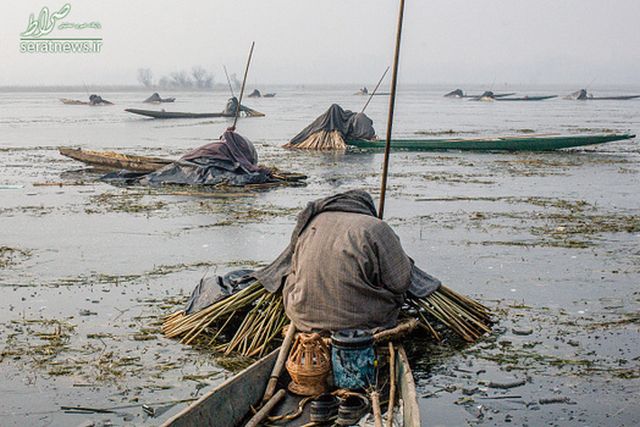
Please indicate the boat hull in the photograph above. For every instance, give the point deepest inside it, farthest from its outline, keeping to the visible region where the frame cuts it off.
(174, 114)
(229, 404)
(109, 160)
(528, 98)
(524, 143)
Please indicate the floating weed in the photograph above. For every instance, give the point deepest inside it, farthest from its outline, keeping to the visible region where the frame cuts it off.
(11, 256)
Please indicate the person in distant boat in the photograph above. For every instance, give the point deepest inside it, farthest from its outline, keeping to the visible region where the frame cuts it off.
(364, 91)
(97, 100)
(344, 268)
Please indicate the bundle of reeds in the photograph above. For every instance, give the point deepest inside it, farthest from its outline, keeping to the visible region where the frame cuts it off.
(321, 140)
(258, 318)
(260, 315)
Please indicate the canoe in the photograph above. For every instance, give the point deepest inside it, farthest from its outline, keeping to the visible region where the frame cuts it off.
(488, 95)
(174, 114)
(609, 98)
(528, 98)
(230, 403)
(509, 143)
(110, 160)
(180, 115)
(68, 101)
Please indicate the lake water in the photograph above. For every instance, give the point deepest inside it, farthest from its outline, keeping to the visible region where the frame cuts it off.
(550, 240)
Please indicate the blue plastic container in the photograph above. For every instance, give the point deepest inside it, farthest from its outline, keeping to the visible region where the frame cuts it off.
(353, 359)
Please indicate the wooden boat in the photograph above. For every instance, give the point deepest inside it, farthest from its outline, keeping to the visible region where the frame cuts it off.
(458, 93)
(507, 143)
(230, 403)
(609, 98)
(527, 98)
(180, 115)
(68, 101)
(173, 114)
(110, 160)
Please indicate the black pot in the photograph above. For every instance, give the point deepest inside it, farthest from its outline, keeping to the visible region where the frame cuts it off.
(352, 409)
(324, 409)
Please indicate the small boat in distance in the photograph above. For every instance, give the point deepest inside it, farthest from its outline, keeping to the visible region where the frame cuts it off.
(94, 101)
(156, 99)
(527, 98)
(503, 143)
(458, 93)
(583, 95)
(489, 96)
(229, 111)
(257, 94)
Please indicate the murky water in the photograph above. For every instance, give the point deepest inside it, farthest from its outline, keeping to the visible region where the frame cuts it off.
(549, 239)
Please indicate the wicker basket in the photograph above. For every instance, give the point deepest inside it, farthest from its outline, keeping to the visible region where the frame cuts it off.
(309, 365)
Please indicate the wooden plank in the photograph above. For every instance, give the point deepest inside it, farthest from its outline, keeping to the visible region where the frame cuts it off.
(407, 387)
(230, 402)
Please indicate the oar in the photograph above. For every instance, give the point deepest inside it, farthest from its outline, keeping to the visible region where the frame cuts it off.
(392, 102)
(228, 80)
(244, 81)
(374, 90)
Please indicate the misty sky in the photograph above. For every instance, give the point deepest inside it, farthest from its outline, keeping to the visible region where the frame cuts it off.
(338, 41)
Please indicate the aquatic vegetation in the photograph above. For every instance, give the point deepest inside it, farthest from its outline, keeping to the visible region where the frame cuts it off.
(11, 256)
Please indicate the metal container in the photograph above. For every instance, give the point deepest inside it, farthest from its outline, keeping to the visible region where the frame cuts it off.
(353, 359)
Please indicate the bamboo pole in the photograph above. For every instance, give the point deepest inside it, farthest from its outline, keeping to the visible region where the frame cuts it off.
(244, 81)
(392, 386)
(262, 413)
(392, 102)
(377, 412)
(374, 90)
(228, 81)
(282, 357)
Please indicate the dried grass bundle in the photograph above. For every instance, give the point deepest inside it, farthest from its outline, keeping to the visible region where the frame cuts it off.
(259, 317)
(322, 141)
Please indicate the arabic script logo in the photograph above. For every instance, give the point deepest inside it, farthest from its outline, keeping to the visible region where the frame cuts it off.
(46, 21)
(70, 37)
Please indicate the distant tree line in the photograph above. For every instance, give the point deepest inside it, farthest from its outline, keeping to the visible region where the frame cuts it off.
(197, 78)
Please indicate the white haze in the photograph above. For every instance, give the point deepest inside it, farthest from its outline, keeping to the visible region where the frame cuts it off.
(339, 41)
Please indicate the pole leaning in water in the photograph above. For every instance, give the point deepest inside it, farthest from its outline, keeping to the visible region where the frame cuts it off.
(392, 102)
(244, 81)
(375, 90)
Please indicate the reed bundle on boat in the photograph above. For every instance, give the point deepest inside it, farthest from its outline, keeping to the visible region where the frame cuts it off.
(321, 140)
(247, 322)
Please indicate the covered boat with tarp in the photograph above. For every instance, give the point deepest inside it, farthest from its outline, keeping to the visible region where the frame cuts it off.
(332, 130)
(229, 111)
(157, 99)
(94, 101)
(230, 161)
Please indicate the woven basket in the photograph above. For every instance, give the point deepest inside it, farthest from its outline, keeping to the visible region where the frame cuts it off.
(309, 364)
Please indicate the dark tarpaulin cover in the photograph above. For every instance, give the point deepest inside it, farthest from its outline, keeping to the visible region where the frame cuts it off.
(351, 125)
(213, 289)
(232, 160)
(153, 98)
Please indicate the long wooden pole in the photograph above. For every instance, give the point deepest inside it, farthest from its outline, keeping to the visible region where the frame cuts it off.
(244, 81)
(277, 368)
(392, 103)
(374, 90)
(228, 80)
